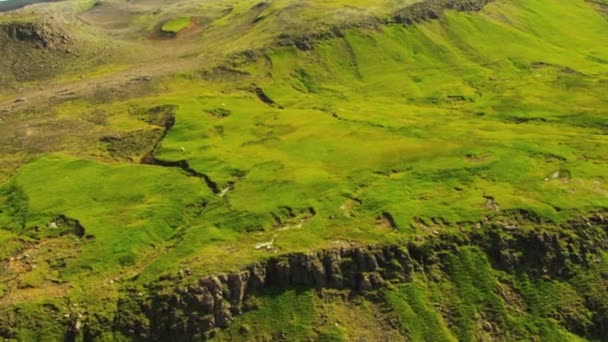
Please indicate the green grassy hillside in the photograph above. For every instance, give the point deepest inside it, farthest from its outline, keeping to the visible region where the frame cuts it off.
(378, 133)
(468, 301)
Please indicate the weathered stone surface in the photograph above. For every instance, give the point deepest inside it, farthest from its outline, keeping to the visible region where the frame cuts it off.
(212, 302)
(237, 283)
(434, 9)
(197, 309)
(257, 277)
(44, 37)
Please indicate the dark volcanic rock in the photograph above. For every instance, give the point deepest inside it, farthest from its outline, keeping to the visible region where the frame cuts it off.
(409, 15)
(213, 301)
(39, 35)
(434, 9)
(177, 311)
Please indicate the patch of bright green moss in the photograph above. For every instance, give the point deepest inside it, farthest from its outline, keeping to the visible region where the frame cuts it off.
(176, 24)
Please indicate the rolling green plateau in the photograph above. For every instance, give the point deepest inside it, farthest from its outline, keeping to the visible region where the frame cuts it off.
(282, 170)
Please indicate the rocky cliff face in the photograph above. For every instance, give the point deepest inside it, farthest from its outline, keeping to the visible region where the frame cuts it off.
(32, 50)
(434, 9)
(194, 310)
(409, 15)
(197, 309)
(41, 36)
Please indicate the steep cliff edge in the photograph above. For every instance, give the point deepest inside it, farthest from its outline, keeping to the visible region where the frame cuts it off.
(185, 308)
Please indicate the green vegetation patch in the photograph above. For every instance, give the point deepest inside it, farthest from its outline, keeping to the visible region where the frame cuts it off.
(125, 209)
(460, 298)
(417, 316)
(175, 25)
(375, 136)
(287, 315)
(465, 299)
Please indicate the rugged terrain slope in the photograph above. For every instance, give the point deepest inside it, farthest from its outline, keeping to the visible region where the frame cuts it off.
(304, 170)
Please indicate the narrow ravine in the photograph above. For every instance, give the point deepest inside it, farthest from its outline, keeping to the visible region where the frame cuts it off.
(167, 121)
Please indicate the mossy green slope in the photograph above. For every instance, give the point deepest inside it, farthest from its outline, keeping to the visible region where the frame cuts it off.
(464, 300)
(374, 136)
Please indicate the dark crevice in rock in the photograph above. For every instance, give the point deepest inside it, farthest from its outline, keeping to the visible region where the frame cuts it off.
(150, 159)
(289, 217)
(164, 116)
(385, 218)
(259, 92)
(69, 226)
(183, 164)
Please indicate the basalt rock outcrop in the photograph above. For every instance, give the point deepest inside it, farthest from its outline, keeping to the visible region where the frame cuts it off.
(182, 309)
(435, 9)
(416, 13)
(34, 50)
(195, 310)
(41, 36)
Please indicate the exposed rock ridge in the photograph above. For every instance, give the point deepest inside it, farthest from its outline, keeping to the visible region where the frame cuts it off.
(417, 13)
(40, 35)
(195, 310)
(435, 9)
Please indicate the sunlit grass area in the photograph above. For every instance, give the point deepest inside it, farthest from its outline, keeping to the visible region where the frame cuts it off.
(438, 130)
(380, 135)
(176, 24)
